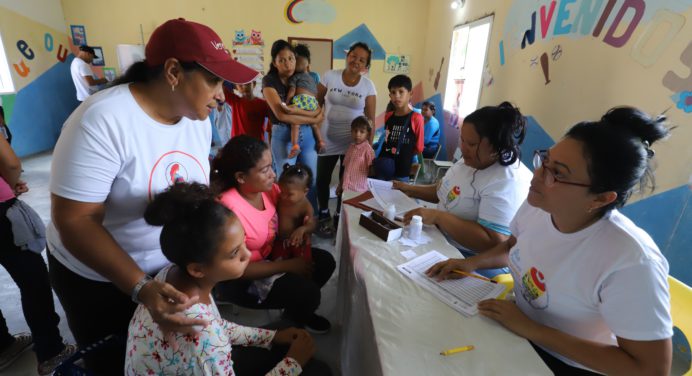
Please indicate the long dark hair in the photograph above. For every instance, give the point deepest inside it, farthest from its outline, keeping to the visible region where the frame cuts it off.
(141, 72)
(192, 221)
(617, 149)
(278, 46)
(503, 126)
(240, 154)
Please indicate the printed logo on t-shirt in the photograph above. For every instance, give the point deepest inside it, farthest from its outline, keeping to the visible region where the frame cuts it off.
(453, 194)
(533, 288)
(175, 167)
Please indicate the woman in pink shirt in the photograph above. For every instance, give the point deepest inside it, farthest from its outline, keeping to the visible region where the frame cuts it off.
(243, 173)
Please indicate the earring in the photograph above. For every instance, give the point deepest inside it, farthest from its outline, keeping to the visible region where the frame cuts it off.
(589, 210)
(172, 87)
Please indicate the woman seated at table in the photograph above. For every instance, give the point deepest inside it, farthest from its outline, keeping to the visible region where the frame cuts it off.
(243, 173)
(591, 287)
(478, 196)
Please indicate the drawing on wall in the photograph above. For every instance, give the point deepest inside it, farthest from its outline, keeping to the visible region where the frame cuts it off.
(544, 65)
(431, 72)
(359, 34)
(557, 52)
(240, 38)
(683, 101)
(397, 63)
(309, 11)
(99, 61)
(109, 74)
(437, 76)
(78, 35)
(534, 62)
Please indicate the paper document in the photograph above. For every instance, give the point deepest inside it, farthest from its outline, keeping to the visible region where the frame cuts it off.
(384, 194)
(462, 294)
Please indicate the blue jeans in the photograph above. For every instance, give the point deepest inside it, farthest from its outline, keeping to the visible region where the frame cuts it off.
(281, 145)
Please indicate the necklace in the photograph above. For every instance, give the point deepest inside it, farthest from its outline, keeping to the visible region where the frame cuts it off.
(350, 82)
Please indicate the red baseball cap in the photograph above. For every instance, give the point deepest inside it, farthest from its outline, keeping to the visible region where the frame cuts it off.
(189, 41)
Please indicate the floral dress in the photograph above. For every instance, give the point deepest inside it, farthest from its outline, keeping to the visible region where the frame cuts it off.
(208, 353)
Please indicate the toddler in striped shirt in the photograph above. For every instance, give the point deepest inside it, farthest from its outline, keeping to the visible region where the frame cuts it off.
(359, 157)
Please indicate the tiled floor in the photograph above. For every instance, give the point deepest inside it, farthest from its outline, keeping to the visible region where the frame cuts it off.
(36, 173)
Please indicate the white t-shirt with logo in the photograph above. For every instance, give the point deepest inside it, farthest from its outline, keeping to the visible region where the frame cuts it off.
(607, 280)
(110, 151)
(490, 196)
(342, 104)
(79, 69)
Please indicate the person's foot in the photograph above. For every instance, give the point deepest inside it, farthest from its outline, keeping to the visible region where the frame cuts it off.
(325, 229)
(47, 367)
(22, 342)
(317, 324)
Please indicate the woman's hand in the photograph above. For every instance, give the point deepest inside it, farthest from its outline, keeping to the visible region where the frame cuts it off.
(165, 303)
(401, 186)
(287, 336)
(445, 269)
(299, 266)
(429, 216)
(297, 237)
(508, 314)
(302, 348)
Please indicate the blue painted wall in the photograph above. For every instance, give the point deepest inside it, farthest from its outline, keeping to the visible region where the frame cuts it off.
(41, 108)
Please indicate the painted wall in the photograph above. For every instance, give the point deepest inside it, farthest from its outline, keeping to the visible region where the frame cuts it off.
(639, 53)
(38, 51)
(119, 23)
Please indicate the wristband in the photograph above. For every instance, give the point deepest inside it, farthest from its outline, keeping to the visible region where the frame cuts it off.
(138, 287)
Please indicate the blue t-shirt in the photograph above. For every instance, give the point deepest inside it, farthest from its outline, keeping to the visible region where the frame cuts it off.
(431, 132)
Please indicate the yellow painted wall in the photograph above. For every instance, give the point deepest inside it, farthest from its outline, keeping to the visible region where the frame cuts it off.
(395, 23)
(589, 78)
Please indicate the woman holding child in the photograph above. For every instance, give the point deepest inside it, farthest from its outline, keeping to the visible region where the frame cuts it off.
(478, 196)
(591, 287)
(346, 94)
(243, 173)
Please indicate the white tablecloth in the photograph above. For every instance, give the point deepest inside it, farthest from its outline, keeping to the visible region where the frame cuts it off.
(393, 327)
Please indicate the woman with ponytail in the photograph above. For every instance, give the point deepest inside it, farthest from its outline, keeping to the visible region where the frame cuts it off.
(591, 287)
(478, 196)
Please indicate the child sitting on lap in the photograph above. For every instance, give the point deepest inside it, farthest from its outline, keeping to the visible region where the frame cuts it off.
(205, 242)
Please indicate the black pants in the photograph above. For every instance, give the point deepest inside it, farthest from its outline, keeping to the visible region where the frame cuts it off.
(94, 310)
(29, 272)
(559, 367)
(251, 361)
(325, 167)
(300, 297)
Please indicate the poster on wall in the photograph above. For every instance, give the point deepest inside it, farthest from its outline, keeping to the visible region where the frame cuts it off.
(109, 74)
(98, 57)
(78, 35)
(249, 49)
(397, 64)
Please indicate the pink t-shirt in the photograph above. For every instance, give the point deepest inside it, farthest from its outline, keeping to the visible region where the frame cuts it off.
(356, 165)
(260, 225)
(6, 191)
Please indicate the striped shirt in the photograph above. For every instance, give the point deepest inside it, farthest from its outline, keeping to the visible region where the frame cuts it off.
(356, 165)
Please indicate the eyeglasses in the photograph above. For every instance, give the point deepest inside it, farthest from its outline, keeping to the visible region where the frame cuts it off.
(549, 178)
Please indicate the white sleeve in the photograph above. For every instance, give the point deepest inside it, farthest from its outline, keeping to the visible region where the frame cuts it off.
(85, 161)
(635, 302)
(498, 206)
(85, 70)
(371, 88)
(514, 226)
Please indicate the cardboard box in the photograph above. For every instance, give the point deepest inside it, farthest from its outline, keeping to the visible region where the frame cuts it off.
(382, 227)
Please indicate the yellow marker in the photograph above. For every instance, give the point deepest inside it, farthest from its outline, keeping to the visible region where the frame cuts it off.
(457, 350)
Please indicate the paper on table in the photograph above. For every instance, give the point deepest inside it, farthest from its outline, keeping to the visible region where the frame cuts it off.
(409, 254)
(423, 239)
(384, 194)
(373, 204)
(379, 184)
(462, 295)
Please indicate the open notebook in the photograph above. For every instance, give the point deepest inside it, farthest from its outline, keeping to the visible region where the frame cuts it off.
(462, 294)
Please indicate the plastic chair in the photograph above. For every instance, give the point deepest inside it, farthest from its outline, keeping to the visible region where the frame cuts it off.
(443, 166)
(681, 310)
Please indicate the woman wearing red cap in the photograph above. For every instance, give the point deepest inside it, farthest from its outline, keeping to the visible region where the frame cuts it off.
(117, 150)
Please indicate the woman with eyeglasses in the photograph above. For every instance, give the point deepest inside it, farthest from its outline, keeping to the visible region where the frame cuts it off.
(478, 196)
(591, 287)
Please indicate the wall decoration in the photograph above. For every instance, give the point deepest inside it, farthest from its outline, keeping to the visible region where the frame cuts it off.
(249, 49)
(557, 52)
(437, 76)
(647, 57)
(359, 34)
(309, 11)
(683, 101)
(242, 39)
(78, 35)
(431, 72)
(544, 66)
(534, 61)
(397, 63)
(109, 74)
(98, 61)
(677, 83)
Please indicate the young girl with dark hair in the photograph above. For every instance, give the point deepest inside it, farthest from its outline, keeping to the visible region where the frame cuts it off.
(591, 287)
(204, 240)
(478, 196)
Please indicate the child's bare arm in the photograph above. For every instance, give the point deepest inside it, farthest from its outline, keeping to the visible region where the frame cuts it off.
(290, 94)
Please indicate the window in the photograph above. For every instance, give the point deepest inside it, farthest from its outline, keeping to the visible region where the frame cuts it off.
(467, 60)
(6, 85)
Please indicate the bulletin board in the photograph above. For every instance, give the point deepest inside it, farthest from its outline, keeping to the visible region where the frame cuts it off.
(320, 52)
